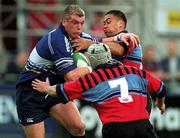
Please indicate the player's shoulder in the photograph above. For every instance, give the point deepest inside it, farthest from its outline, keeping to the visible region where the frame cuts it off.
(88, 36)
(84, 34)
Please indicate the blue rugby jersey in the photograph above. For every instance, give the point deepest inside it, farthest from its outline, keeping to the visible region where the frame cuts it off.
(53, 53)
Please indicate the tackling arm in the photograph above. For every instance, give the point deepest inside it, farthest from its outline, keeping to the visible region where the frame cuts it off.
(157, 87)
(74, 89)
(77, 73)
(44, 87)
(115, 44)
(160, 103)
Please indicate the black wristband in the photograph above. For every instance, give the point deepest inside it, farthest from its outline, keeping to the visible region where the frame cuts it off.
(123, 44)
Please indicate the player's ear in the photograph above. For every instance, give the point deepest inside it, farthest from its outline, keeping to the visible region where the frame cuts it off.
(63, 22)
(120, 24)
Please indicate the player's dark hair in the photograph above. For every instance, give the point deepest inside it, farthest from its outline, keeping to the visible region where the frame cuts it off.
(119, 14)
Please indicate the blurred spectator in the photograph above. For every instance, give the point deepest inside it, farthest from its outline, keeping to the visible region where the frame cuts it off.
(3, 61)
(8, 20)
(150, 63)
(103, 2)
(171, 73)
(68, 1)
(96, 26)
(14, 67)
(40, 20)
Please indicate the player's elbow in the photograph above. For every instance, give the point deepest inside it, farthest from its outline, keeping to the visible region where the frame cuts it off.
(118, 52)
(71, 76)
(116, 49)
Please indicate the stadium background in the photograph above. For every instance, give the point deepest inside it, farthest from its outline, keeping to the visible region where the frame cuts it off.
(23, 22)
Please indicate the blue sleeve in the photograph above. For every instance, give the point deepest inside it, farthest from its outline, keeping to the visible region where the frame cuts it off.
(60, 51)
(89, 37)
(62, 54)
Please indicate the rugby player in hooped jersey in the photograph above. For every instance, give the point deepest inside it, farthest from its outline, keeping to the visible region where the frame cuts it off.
(118, 92)
(128, 52)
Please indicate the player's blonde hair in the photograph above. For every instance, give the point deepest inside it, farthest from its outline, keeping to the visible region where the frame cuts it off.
(73, 10)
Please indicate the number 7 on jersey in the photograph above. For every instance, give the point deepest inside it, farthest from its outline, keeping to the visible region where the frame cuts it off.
(123, 85)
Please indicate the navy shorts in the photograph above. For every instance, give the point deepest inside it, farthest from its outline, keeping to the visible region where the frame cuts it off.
(33, 107)
(135, 129)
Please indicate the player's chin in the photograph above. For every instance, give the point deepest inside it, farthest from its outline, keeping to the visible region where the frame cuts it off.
(107, 34)
(76, 35)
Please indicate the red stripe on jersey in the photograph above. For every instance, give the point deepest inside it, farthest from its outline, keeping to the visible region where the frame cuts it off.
(133, 64)
(123, 70)
(91, 80)
(97, 77)
(116, 71)
(110, 73)
(142, 73)
(103, 74)
(85, 83)
(135, 70)
(129, 70)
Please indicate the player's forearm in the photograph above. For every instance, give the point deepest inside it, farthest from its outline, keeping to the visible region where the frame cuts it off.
(160, 103)
(116, 48)
(115, 38)
(108, 39)
(77, 73)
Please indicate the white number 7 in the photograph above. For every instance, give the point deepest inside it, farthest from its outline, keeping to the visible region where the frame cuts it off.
(123, 85)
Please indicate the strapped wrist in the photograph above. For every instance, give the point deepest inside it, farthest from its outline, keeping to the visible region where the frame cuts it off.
(118, 37)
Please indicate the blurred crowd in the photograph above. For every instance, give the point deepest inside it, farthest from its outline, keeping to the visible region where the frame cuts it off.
(166, 68)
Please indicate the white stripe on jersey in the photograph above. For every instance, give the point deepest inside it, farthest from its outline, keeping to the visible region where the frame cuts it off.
(67, 43)
(38, 60)
(63, 63)
(49, 42)
(62, 60)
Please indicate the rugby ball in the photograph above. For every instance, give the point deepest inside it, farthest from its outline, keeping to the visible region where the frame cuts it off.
(80, 59)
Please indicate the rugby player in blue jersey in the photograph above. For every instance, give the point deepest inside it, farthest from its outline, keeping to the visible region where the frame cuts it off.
(118, 92)
(52, 58)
